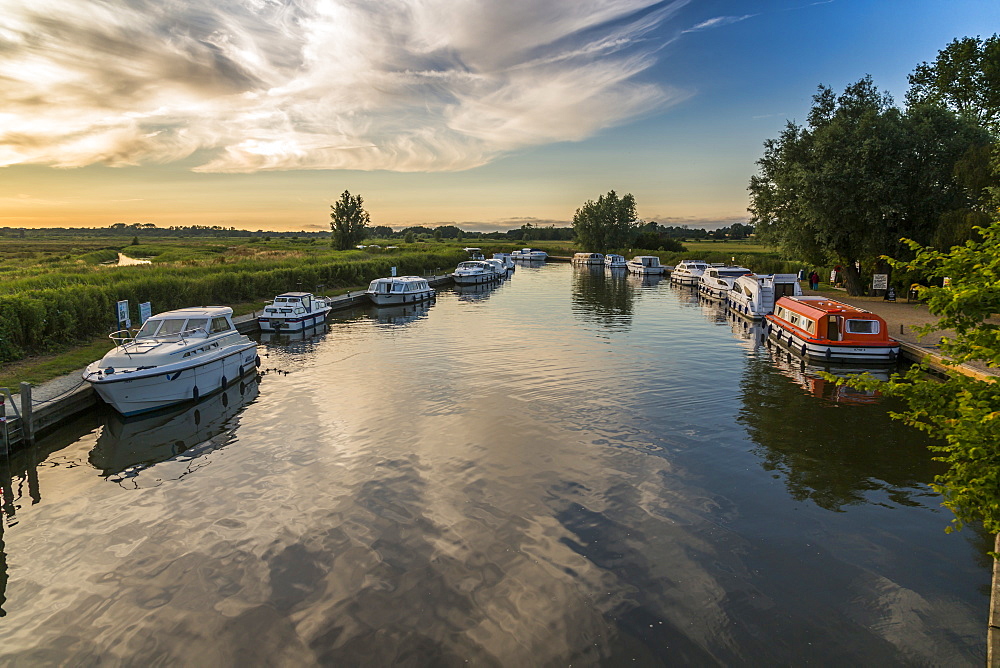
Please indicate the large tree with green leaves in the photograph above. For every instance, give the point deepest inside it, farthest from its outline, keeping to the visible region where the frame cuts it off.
(610, 223)
(858, 176)
(965, 77)
(348, 221)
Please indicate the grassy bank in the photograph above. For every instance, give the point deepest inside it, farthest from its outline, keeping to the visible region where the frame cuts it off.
(51, 301)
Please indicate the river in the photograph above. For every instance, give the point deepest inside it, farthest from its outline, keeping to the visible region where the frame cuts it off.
(570, 468)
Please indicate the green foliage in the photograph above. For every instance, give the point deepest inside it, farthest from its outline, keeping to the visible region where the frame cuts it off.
(609, 223)
(965, 77)
(348, 221)
(408, 238)
(859, 176)
(960, 410)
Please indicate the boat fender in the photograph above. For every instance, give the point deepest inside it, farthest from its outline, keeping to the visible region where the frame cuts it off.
(803, 350)
(225, 383)
(194, 393)
(257, 362)
(242, 371)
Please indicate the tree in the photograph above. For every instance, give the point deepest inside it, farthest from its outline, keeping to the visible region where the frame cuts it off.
(409, 238)
(379, 232)
(962, 411)
(859, 176)
(609, 223)
(965, 77)
(349, 219)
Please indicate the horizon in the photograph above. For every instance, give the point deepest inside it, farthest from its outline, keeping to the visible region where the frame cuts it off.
(259, 117)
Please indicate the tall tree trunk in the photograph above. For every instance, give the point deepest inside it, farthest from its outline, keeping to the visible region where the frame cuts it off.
(852, 280)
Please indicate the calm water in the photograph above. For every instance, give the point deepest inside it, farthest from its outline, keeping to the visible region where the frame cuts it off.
(572, 468)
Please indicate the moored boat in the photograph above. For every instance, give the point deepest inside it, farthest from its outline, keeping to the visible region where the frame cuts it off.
(688, 272)
(824, 329)
(716, 282)
(396, 290)
(645, 264)
(176, 356)
(472, 272)
(529, 254)
(506, 259)
(292, 311)
(753, 295)
(614, 261)
(475, 253)
(588, 258)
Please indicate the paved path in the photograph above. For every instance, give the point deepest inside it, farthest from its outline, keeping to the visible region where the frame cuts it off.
(901, 317)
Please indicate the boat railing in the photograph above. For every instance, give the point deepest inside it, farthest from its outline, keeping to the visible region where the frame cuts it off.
(122, 337)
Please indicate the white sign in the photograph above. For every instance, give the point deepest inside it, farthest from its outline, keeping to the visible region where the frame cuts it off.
(833, 276)
(123, 319)
(145, 310)
(880, 281)
(393, 271)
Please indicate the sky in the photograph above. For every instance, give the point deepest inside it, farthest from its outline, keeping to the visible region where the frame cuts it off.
(486, 114)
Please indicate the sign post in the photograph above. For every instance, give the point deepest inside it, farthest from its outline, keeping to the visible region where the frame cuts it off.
(393, 271)
(124, 321)
(145, 310)
(880, 282)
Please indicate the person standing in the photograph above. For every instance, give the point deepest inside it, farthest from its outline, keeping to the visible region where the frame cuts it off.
(814, 281)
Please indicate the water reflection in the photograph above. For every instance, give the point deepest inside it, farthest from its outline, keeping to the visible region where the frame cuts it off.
(400, 315)
(836, 457)
(749, 333)
(127, 447)
(478, 292)
(308, 336)
(604, 297)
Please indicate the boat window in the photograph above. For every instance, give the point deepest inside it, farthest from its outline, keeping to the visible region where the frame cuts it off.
(300, 310)
(171, 327)
(862, 327)
(373, 287)
(148, 329)
(220, 324)
(199, 324)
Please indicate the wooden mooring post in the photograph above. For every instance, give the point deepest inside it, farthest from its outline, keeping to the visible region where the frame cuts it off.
(993, 632)
(27, 425)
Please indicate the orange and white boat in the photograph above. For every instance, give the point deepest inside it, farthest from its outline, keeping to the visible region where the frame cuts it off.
(824, 329)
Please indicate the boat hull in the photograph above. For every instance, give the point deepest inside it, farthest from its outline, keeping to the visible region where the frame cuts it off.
(832, 351)
(476, 279)
(650, 271)
(391, 299)
(684, 279)
(148, 390)
(298, 323)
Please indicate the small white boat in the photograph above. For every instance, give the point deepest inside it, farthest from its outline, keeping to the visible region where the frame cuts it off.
(529, 254)
(612, 261)
(397, 290)
(472, 272)
(292, 311)
(176, 356)
(588, 258)
(645, 264)
(688, 272)
(506, 259)
(753, 296)
(717, 282)
(475, 253)
(499, 264)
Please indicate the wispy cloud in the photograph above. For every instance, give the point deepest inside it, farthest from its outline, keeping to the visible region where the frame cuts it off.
(718, 22)
(256, 85)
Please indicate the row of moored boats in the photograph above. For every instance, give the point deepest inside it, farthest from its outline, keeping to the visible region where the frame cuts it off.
(188, 353)
(814, 327)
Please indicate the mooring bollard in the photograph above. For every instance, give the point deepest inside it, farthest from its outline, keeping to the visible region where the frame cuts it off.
(27, 427)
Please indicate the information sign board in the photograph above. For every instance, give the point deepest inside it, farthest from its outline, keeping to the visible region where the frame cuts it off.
(145, 310)
(123, 320)
(880, 281)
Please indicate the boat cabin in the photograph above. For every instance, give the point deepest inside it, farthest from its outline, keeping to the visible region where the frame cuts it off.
(825, 319)
(588, 258)
(187, 322)
(291, 303)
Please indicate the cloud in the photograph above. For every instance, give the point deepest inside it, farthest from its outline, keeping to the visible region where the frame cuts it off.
(718, 22)
(405, 85)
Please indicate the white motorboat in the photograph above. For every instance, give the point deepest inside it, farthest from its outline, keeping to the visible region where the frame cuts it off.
(397, 290)
(645, 264)
(292, 311)
(475, 253)
(529, 254)
(501, 267)
(472, 272)
(753, 296)
(176, 356)
(688, 272)
(612, 261)
(716, 282)
(507, 260)
(588, 258)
